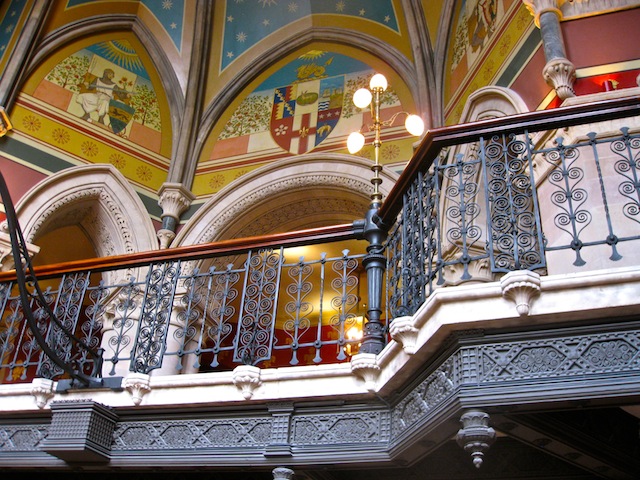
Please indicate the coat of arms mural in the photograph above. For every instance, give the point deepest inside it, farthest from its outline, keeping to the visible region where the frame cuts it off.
(303, 106)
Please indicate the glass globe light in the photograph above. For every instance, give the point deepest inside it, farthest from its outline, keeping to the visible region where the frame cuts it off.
(362, 98)
(355, 141)
(378, 81)
(414, 125)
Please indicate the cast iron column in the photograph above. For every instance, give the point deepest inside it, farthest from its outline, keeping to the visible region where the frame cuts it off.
(375, 262)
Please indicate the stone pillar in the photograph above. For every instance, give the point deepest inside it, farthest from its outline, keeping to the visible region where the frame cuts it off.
(559, 72)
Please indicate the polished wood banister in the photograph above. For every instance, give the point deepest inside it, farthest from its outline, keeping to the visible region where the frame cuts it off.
(312, 236)
(438, 138)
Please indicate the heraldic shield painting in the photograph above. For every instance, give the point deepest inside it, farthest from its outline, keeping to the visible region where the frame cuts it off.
(108, 86)
(304, 106)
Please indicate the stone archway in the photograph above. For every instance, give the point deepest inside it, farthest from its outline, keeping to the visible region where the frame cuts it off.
(302, 192)
(99, 200)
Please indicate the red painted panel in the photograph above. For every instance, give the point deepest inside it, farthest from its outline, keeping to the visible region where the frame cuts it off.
(603, 39)
(529, 84)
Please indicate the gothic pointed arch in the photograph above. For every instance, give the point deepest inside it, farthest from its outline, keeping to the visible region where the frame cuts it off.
(492, 102)
(359, 44)
(296, 193)
(97, 199)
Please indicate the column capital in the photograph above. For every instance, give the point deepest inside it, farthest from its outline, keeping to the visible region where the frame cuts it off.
(538, 7)
(174, 199)
(560, 73)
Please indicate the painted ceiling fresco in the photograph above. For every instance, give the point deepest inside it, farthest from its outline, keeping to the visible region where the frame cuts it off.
(491, 41)
(305, 106)
(10, 22)
(93, 105)
(169, 13)
(250, 21)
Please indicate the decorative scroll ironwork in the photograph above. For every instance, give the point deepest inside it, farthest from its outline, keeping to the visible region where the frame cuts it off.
(514, 233)
(254, 337)
(501, 205)
(570, 198)
(155, 317)
(43, 322)
(299, 309)
(627, 150)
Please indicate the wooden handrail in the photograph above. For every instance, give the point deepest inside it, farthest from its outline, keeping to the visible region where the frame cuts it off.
(312, 236)
(438, 138)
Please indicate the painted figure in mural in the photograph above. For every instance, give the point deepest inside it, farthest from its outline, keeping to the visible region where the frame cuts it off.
(481, 22)
(99, 96)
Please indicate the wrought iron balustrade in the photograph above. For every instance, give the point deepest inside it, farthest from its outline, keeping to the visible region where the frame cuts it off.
(501, 195)
(476, 201)
(277, 304)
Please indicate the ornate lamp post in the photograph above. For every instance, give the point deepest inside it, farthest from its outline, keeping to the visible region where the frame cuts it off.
(375, 261)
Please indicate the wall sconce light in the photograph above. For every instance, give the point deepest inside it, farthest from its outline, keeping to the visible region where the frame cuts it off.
(370, 97)
(5, 123)
(354, 336)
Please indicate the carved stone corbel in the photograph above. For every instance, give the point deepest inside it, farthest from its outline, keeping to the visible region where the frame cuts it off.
(365, 365)
(174, 200)
(282, 473)
(138, 385)
(521, 287)
(42, 390)
(7, 262)
(403, 332)
(247, 379)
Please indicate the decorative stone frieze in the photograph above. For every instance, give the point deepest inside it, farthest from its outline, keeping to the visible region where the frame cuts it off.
(403, 332)
(42, 390)
(521, 286)
(138, 385)
(475, 436)
(365, 365)
(247, 379)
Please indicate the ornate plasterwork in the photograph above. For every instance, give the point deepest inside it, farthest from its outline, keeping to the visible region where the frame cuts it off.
(99, 200)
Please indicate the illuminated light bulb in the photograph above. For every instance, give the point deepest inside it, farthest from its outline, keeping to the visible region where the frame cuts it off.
(362, 98)
(378, 81)
(414, 125)
(355, 142)
(354, 333)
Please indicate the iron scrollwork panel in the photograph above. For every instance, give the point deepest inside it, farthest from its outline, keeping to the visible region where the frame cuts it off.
(515, 238)
(155, 316)
(254, 338)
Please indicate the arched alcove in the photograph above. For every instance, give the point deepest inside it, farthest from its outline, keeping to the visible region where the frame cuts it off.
(94, 198)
